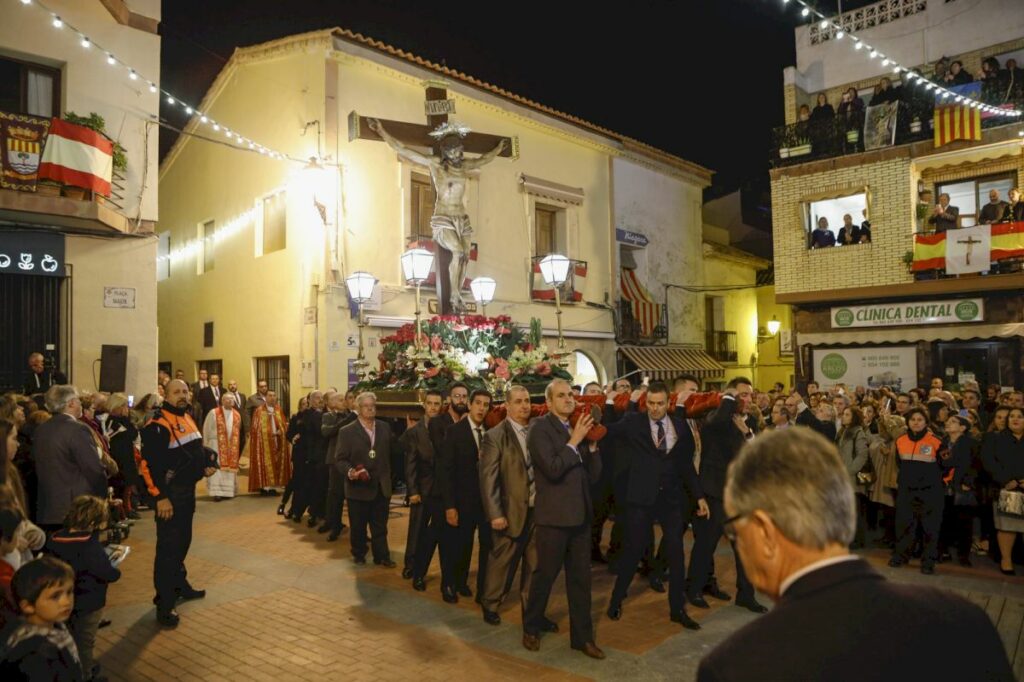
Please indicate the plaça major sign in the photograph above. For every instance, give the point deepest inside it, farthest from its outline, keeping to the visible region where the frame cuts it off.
(910, 313)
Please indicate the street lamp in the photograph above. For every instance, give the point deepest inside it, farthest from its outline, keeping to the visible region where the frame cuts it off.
(554, 268)
(416, 264)
(773, 326)
(360, 289)
(483, 291)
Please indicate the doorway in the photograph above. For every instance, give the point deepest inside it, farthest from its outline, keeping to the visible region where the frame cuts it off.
(986, 362)
(33, 315)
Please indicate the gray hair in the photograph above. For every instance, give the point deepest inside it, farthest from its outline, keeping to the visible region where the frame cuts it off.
(549, 392)
(59, 396)
(514, 388)
(795, 476)
(365, 395)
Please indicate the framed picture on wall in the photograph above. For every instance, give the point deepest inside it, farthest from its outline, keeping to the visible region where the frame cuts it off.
(785, 342)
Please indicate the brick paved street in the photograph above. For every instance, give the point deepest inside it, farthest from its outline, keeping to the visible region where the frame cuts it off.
(284, 604)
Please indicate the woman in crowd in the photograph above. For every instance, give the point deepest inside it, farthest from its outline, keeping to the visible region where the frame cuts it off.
(823, 111)
(938, 413)
(122, 434)
(1015, 212)
(883, 430)
(988, 491)
(851, 108)
(28, 538)
(1004, 459)
(961, 499)
(919, 498)
(852, 442)
(826, 414)
(957, 75)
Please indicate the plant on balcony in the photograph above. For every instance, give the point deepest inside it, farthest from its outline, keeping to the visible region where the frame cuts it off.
(471, 349)
(96, 122)
(908, 259)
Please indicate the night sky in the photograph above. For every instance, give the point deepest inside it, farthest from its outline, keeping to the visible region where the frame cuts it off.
(700, 79)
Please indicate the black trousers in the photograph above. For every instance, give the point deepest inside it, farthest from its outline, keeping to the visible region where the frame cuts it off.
(558, 547)
(302, 481)
(602, 495)
(707, 532)
(640, 538)
(458, 542)
(173, 538)
(318, 491)
(919, 506)
(413, 536)
(429, 538)
(335, 499)
(373, 514)
(957, 528)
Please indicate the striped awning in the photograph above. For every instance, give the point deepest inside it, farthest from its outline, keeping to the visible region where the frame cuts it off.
(645, 310)
(667, 362)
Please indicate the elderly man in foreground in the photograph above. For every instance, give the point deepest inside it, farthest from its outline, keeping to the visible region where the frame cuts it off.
(791, 509)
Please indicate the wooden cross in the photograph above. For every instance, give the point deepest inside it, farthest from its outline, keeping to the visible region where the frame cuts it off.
(436, 107)
(970, 241)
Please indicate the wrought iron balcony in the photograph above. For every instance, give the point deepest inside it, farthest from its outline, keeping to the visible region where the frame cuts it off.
(631, 332)
(722, 346)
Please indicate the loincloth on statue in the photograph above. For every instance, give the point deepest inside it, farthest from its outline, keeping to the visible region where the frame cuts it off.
(442, 227)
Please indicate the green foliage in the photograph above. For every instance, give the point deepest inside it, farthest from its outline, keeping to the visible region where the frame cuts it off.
(96, 122)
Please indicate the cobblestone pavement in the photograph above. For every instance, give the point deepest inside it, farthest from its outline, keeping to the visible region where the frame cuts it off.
(284, 604)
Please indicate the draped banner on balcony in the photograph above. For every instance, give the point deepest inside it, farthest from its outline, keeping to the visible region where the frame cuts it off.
(78, 156)
(645, 311)
(571, 291)
(930, 251)
(22, 139)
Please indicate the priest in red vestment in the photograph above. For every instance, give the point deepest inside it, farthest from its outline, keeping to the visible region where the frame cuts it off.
(270, 462)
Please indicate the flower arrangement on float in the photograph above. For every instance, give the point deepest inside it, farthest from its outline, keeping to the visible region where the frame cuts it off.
(481, 352)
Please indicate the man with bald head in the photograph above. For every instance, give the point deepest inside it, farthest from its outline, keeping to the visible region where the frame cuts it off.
(40, 378)
(172, 448)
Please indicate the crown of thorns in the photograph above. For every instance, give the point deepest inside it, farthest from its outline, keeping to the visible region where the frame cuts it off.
(448, 128)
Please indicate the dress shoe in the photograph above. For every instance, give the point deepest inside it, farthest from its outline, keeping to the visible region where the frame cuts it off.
(464, 591)
(928, 569)
(312, 522)
(548, 625)
(590, 649)
(657, 584)
(752, 605)
(614, 611)
(419, 584)
(280, 510)
(386, 563)
(324, 527)
(191, 593)
(219, 499)
(448, 594)
(167, 619)
(531, 642)
(685, 621)
(333, 537)
(717, 593)
(699, 602)
(965, 561)
(1007, 571)
(406, 573)
(361, 560)
(492, 618)
(104, 623)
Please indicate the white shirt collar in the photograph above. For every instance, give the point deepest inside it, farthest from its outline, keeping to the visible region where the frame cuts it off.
(810, 568)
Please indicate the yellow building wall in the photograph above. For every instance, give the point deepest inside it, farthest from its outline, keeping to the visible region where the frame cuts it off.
(256, 304)
(740, 311)
(96, 264)
(772, 366)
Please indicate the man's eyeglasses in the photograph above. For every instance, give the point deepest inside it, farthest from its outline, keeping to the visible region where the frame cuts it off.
(729, 526)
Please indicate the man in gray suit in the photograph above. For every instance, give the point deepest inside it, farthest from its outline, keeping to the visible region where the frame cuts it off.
(67, 460)
(364, 458)
(256, 399)
(419, 474)
(509, 491)
(563, 510)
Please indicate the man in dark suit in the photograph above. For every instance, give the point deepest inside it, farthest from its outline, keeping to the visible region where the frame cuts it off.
(257, 399)
(459, 481)
(309, 472)
(364, 458)
(209, 397)
(66, 458)
(509, 492)
(196, 389)
(944, 217)
(567, 468)
(662, 486)
(419, 475)
(240, 406)
(335, 417)
(723, 435)
(40, 378)
(792, 515)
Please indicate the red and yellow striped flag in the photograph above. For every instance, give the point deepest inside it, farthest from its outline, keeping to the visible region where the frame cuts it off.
(956, 123)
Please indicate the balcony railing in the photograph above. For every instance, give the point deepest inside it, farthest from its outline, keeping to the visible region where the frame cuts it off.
(722, 346)
(840, 135)
(630, 331)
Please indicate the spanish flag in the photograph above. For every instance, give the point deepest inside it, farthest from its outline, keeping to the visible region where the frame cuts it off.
(930, 249)
(956, 123)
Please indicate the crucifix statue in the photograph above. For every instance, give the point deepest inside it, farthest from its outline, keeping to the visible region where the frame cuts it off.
(449, 170)
(970, 241)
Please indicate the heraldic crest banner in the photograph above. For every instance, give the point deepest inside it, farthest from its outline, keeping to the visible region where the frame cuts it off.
(21, 143)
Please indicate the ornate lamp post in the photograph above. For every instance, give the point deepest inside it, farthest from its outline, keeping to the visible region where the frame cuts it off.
(774, 325)
(416, 264)
(554, 268)
(360, 289)
(483, 291)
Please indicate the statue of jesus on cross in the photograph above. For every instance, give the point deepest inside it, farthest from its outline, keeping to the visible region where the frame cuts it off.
(449, 171)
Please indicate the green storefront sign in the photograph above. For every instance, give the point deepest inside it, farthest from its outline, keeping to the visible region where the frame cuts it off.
(952, 311)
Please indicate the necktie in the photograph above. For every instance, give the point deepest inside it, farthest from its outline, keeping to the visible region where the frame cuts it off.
(478, 433)
(529, 476)
(216, 393)
(662, 444)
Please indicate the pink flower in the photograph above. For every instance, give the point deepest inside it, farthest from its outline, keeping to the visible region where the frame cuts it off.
(504, 330)
(544, 368)
(431, 372)
(459, 327)
(501, 369)
(435, 343)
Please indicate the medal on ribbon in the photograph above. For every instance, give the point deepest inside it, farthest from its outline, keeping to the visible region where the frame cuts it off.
(373, 453)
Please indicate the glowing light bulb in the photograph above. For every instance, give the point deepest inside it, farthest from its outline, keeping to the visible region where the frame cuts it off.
(57, 23)
(170, 100)
(86, 43)
(839, 34)
(111, 60)
(132, 74)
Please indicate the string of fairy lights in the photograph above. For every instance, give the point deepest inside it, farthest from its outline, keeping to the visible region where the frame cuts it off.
(860, 46)
(233, 137)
